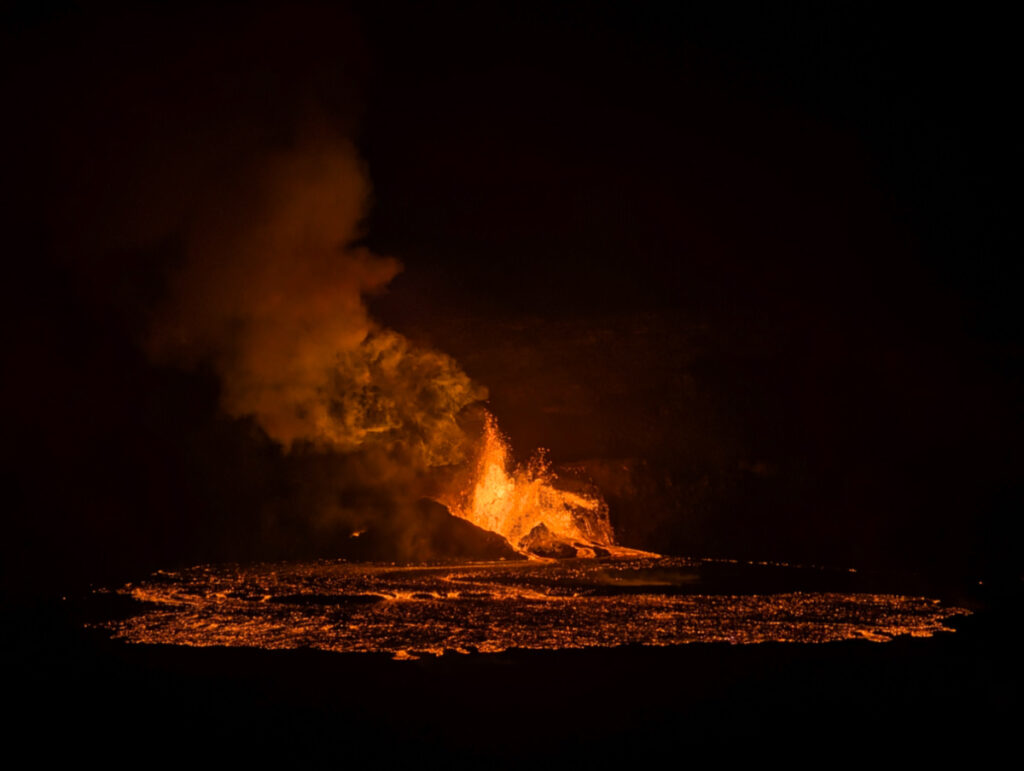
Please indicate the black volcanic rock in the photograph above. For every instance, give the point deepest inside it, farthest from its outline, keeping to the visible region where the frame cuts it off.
(544, 543)
(438, 534)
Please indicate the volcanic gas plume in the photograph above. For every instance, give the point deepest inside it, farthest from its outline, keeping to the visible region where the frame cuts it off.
(271, 294)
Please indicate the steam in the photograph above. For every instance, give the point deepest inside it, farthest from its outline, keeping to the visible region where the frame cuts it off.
(204, 184)
(201, 198)
(199, 187)
(272, 292)
(388, 390)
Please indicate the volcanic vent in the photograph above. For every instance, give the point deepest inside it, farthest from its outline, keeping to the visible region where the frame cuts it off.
(536, 512)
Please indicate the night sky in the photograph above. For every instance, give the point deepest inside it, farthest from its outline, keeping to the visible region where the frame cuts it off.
(754, 271)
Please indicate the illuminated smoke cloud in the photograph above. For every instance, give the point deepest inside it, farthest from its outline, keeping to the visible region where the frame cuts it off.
(388, 390)
(205, 186)
(271, 293)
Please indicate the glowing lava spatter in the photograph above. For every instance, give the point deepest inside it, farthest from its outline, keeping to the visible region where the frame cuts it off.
(523, 504)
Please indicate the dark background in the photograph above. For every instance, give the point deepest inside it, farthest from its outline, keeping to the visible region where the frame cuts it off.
(752, 270)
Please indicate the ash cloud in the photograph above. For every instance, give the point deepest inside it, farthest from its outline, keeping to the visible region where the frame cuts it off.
(191, 203)
(271, 293)
(207, 184)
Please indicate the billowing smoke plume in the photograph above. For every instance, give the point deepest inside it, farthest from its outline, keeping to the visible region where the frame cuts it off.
(209, 156)
(271, 293)
(196, 201)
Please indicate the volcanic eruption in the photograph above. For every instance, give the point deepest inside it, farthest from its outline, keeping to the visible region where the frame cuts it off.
(526, 505)
(271, 295)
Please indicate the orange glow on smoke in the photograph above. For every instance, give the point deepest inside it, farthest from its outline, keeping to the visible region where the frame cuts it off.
(524, 504)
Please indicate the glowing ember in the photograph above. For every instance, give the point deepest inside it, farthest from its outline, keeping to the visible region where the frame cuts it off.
(525, 505)
(487, 608)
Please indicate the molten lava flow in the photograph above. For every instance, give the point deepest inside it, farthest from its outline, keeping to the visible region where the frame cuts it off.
(408, 611)
(524, 505)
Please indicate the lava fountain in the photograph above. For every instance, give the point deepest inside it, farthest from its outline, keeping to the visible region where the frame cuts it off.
(526, 505)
